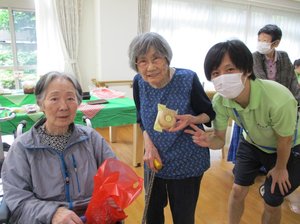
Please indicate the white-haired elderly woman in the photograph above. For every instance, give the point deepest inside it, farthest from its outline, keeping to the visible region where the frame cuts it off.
(49, 170)
(183, 161)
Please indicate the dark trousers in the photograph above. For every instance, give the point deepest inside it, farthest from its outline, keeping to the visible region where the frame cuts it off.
(249, 160)
(182, 195)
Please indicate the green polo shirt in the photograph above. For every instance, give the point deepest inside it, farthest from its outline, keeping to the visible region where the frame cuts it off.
(298, 76)
(272, 109)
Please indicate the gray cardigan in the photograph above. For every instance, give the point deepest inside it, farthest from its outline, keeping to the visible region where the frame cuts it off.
(285, 72)
(37, 179)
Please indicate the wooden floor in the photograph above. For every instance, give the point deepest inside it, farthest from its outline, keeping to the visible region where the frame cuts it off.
(215, 188)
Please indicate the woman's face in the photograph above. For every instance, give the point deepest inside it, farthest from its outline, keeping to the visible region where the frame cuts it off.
(154, 68)
(59, 105)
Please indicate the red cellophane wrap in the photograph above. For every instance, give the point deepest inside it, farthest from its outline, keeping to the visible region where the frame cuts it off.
(117, 180)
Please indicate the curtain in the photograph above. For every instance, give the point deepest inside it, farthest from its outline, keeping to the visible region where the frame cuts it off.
(193, 26)
(68, 12)
(57, 27)
(49, 50)
(144, 16)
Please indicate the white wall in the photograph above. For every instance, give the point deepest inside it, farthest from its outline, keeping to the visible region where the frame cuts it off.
(88, 47)
(107, 28)
(20, 4)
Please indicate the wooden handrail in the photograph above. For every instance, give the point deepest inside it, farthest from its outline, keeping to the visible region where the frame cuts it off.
(111, 83)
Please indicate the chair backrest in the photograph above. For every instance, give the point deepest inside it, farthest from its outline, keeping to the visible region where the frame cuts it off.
(8, 115)
(87, 121)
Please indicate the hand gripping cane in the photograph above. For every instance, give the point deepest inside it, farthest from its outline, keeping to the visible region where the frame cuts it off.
(158, 166)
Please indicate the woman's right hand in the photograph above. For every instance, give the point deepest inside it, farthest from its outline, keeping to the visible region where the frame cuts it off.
(151, 153)
(65, 216)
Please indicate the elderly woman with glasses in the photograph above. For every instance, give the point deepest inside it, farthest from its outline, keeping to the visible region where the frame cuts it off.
(49, 171)
(168, 100)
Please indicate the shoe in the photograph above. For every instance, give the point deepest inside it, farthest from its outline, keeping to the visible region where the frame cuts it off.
(262, 190)
(262, 171)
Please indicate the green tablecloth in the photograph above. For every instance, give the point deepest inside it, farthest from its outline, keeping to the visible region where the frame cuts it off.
(16, 100)
(119, 111)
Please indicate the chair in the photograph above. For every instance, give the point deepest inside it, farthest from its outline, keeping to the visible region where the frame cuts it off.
(87, 121)
(4, 211)
(8, 115)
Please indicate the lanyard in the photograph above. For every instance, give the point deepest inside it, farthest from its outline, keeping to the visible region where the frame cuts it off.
(248, 134)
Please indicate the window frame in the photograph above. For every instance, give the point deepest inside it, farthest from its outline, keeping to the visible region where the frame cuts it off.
(16, 67)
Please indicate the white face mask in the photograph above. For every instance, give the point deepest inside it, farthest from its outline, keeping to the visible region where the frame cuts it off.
(264, 47)
(229, 85)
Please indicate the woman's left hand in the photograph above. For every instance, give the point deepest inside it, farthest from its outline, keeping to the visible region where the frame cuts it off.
(64, 215)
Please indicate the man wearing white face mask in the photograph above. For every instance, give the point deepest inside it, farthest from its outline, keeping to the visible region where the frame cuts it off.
(229, 86)
(271, 137)
(269, 63)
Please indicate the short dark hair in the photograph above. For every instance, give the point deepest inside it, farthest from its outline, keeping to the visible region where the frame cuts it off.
(273, 30)
(297, 63)
(46, 79)
(238, 52)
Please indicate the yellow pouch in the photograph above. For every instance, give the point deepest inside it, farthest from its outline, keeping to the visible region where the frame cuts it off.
(165, 118)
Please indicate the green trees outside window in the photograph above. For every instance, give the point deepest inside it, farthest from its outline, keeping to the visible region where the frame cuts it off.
(17, 47)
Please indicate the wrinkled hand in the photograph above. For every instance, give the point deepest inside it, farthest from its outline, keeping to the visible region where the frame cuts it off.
(199, 136)
(182, 121)
(151, 153)
(280, 177)
(65, 216)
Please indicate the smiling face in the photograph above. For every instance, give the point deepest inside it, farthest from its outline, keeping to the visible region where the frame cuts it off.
(154, 68)
(59, 105)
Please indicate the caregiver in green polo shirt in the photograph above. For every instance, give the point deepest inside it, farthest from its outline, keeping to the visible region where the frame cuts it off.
(267, 112)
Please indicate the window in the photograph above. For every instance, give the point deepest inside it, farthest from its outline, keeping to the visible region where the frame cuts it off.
(17, 47)
(193, 26)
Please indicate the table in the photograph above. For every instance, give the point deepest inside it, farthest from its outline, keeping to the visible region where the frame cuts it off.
(17, 100)
(118, 112)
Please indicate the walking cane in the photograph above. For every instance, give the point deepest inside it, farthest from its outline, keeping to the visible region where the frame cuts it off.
(158, 166)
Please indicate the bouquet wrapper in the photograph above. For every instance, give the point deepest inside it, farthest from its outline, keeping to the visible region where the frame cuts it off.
(116, 180)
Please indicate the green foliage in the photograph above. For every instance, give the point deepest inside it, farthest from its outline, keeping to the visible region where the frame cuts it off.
(24, 20)
(7, 79)
(6, 58)
(27, 58)
(21, 20)
(4, 19)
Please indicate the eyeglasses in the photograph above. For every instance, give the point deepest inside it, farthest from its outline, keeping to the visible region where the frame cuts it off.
(144, 63)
